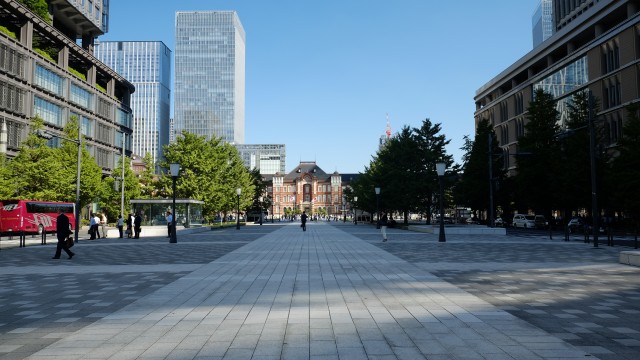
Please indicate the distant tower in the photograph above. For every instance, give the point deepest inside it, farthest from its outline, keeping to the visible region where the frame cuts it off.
(387, 134)
(542, 22)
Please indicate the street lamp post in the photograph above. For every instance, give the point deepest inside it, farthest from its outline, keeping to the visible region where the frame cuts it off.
(344, 210)
(355, 210)
(175, 170)
(47, 135)
(260, 203)
(377, 190)
(440, 169)
(238, 192)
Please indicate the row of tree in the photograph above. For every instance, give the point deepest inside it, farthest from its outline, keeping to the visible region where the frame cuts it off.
(554, 167)
(211, 171)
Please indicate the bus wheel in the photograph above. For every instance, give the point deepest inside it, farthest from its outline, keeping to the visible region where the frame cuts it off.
(40, 229)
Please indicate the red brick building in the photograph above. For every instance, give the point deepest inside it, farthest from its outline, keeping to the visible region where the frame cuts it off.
(308, 188)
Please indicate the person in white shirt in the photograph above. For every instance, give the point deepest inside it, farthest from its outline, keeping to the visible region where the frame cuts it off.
(92, 226)
(169, 223)
(103, 223)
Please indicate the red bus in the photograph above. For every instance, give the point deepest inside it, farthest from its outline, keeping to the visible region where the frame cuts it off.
(32, 216)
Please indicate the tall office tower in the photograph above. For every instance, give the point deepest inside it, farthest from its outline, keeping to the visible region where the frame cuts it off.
(210, 75)
(147, 64)
(45, 73)
(542, 22)
(267, 158)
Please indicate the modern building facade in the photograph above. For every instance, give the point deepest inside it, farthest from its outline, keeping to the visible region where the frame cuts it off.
(542, 22)
(45, 73)
(594, 47)
(209, 98)
(147, 65)
(269, 159)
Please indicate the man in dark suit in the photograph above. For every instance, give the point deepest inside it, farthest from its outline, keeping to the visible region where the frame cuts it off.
(137, 224)
(62, 231)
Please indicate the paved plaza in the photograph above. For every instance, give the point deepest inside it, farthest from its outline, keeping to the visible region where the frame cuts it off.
(333, 292)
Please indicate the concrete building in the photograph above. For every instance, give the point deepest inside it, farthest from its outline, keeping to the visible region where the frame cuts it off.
(594, 47)
(45, 73)
(147, 64)
(269, 159)
(209, 98)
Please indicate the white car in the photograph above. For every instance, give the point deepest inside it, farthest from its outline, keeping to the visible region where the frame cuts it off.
(524, 221)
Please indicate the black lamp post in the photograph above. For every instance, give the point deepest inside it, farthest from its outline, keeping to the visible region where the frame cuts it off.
(440, 169)
(344, 210)
(238, 192)
(355, 210)
(377, 190)
(175, 170)
(46, 135)
(260, 204)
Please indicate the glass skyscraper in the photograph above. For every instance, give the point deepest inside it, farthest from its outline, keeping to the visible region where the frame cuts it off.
(542, 22)
(210, 75)
(147, 65)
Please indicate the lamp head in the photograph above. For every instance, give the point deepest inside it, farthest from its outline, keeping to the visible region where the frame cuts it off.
(377, 190)
(238, 191)
(440, 168)
(175, 169)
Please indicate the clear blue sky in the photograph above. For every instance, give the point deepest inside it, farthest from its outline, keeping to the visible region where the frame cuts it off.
(322, 75)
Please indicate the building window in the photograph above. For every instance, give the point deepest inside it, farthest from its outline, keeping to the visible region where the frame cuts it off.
(612, 93)
(306, 191)
(519, 128)
(11, 61)
(519, 104)
(611, 58)
(11, 98)
(81, 97)
(504, 112)
(48, 80)
(49, 112)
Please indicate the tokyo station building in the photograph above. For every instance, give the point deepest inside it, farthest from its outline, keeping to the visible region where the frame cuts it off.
(308, 188)
(595, 46)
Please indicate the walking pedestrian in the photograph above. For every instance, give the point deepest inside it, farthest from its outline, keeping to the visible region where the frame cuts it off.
(103, 225)
(130, 226)
(62, 232)
(137, 225)
(120, 226)
(169, 223)
(383, 226)
(92, 226)
(303, 218)
(96, 225)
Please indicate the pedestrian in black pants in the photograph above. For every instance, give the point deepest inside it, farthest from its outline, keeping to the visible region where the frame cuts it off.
(303, 218)
(120, 226)
(62, 232)
(137, 224)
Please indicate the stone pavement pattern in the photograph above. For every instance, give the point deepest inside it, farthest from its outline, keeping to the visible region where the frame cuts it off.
(569, 289)
(269, 292)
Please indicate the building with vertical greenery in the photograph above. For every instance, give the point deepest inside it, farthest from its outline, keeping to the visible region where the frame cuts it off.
(47, 70)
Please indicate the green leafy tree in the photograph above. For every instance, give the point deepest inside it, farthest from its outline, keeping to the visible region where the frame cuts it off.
(626, 167)
(111, 199)
(538, 160)
(472, 189)
(7, 180)
(90, 173)
(408, 159)
(37, 170)
(210, 171)
(147, 179)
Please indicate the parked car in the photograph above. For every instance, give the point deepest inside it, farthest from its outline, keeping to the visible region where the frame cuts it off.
(541, 222)
(498, 222)
(524, 221)
(576, 225)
